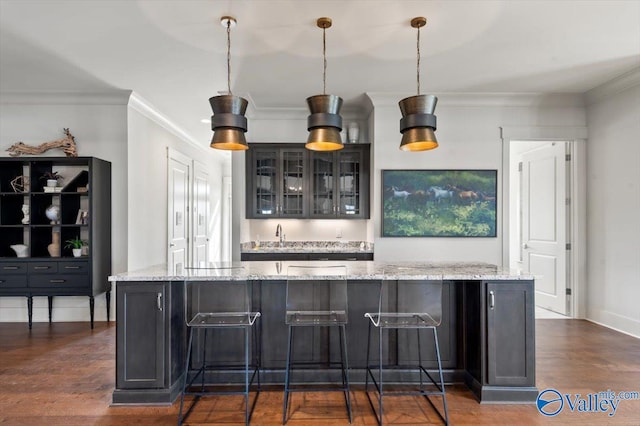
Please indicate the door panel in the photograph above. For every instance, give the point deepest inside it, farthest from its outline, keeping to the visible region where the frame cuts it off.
(350, 165)
(140, 340)
(322, 184)
(294, 185)
(200, 215)
(510, 334)
(544, 223)
(264, 199)
(178, 223)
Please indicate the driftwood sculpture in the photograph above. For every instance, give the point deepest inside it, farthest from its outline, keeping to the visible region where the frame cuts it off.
(67, 144)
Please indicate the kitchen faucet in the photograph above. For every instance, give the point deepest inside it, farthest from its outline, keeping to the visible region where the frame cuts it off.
(280, 234)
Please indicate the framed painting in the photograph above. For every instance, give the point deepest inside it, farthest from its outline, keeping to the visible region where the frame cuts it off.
(439, 203)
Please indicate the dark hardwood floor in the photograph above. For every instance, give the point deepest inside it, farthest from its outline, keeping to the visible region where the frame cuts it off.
(63, 374)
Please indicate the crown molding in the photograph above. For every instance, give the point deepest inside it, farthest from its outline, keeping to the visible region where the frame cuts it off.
(115, 97)
(473, 99)
(144, 107)
(552, 133)
(613, 87)
(358, 108)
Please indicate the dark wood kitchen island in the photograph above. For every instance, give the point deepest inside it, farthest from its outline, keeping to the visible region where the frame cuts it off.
(487, 335)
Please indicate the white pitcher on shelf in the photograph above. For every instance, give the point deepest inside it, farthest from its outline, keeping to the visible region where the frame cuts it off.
(20, 249)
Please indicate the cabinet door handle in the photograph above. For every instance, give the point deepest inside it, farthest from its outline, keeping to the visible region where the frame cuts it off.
(159, 301)
(40, 267)
(71, 267)
(57, 281)
(492, 300)
(13, 268)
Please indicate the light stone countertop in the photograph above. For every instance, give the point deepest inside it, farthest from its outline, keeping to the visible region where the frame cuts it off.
(308, 247)
(356, 270)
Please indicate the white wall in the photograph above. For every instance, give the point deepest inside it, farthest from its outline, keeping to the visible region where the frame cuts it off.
(135, 141)
(469, 135)
(149, 138)
(99, 124)
(469, 138)
(613, 206)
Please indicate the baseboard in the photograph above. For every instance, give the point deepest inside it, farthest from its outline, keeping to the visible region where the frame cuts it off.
(65, 309)
(619, 323)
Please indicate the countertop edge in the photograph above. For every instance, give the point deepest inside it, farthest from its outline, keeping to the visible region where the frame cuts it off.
(357, 270)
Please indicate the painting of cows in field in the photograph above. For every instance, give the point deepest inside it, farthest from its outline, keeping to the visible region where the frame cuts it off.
(439, 203)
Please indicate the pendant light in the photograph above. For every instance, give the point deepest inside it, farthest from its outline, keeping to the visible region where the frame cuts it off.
(228, 121)
(324, 123)
(418, 122)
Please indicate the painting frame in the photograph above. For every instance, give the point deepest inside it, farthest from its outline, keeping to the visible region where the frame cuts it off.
(436, 203)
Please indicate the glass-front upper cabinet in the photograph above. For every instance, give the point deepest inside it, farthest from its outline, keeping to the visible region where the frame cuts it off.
(276, 181)
(340, 183)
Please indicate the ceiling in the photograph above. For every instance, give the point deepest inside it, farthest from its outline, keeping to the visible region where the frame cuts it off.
(173, 52)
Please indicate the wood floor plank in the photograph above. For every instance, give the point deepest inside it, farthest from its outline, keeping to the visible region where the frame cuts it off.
(64, 373)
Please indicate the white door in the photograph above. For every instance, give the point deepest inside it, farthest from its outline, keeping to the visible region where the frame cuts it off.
(544, 223)
(178, 220)
(201, 191)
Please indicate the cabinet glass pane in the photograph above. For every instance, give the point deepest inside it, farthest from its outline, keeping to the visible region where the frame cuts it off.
(322, 183)
(265, 183)
(349, 183)
(292, 183)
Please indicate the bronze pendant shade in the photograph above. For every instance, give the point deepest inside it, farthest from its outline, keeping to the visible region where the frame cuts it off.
(418, 122)
(324, 122)
(228, 121)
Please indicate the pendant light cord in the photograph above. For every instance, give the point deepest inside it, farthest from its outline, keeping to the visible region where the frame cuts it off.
(418, 61)
(229, 56)
(324, 59)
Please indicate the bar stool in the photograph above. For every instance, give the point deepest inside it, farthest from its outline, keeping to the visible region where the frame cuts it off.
(219, 305)
(317, 297)
(407, 304)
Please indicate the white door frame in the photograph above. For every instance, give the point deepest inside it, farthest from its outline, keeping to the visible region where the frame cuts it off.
(577, 263)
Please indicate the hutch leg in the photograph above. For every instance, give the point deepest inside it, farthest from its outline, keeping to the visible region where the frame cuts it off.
(50, 306)
(108, 297)
(91, 306)
(30, 310)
